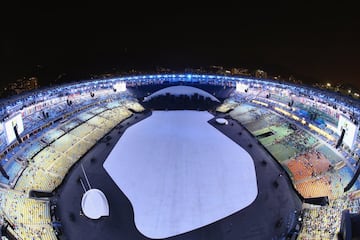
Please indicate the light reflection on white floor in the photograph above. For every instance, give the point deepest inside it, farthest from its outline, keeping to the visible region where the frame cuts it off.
(180, 173)
(182, 90)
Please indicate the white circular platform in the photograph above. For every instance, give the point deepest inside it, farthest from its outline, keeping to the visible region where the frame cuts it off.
(222, 121)
(94, 204)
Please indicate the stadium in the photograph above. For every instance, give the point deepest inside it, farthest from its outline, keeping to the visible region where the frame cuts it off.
(179, 156)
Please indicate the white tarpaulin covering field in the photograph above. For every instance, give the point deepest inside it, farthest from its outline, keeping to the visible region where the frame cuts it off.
(180, 173)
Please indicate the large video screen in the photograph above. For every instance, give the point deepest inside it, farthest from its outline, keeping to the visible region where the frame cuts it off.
(240, 87)
(10, 125)
(351, 130)
(120, 87)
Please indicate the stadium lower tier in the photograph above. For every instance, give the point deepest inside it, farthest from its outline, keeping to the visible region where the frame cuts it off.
(50, 161)
(43, 165)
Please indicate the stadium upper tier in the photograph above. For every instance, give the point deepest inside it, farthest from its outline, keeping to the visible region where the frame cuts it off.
(42, 106)
(49, 94)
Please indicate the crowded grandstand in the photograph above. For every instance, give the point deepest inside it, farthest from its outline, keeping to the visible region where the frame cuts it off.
(311, 133)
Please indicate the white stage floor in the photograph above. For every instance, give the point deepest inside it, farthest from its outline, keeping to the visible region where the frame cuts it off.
(180, 173)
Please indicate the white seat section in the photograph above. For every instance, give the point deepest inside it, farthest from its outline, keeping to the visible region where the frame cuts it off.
(180, 173)
(94, 204)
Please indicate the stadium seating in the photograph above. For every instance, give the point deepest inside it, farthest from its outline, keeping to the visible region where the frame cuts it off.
(77, 120)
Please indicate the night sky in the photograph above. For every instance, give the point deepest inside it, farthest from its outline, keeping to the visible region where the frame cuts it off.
(313, 43)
